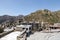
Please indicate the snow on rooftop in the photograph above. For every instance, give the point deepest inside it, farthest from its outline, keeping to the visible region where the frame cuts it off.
(24, 26)
(44, 36)
(11, 36)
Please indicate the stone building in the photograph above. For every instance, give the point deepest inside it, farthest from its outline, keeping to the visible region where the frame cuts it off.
(55, 26)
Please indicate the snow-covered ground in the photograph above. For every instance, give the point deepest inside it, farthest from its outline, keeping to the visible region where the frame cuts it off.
(11, 36)
(36, 36)
(44, 36)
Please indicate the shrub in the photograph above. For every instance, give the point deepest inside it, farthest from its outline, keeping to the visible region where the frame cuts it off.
(1, 30)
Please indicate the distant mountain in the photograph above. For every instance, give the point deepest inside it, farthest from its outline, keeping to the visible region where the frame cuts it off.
(44, 15)
(9, 18)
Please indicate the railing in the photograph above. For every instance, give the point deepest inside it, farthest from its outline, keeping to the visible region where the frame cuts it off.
(22, 36)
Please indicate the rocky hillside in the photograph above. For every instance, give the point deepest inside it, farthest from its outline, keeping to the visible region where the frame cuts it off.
(44, 15)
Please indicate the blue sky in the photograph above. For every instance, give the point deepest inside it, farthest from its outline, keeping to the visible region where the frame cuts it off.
(25, 7)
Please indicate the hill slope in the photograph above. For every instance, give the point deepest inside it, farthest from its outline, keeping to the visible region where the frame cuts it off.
(44, 15)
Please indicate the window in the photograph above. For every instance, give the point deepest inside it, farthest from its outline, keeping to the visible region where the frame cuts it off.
(23, 28)
(30, 28)
(26, 28)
